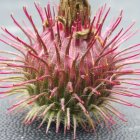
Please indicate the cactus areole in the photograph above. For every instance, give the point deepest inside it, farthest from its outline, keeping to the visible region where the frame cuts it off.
(72, 70)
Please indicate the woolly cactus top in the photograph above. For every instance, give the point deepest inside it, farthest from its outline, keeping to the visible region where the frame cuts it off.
(71, 71)
(69, 10)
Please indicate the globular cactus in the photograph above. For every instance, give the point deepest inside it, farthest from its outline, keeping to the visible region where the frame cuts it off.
(73, 70)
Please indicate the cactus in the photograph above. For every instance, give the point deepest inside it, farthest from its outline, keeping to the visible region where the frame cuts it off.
(72, 70)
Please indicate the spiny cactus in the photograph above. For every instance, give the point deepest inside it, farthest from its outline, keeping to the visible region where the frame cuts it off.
(73, 70)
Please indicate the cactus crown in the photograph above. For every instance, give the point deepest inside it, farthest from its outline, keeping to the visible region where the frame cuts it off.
(69, 10)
